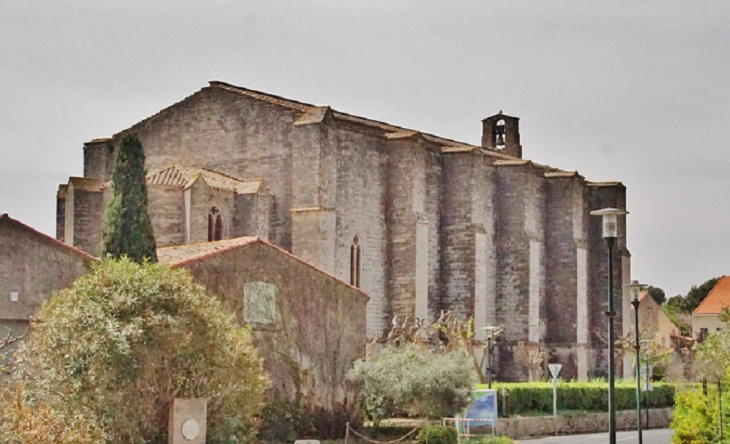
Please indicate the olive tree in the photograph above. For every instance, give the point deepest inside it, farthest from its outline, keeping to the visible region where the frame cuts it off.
(408, 380)
(106, 356)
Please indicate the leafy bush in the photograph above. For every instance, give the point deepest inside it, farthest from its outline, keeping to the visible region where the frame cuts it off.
(437, 435)
(285, 421)
(407, 380)
(490, 440)
(108, 354)
(533, 398)
(693, 422)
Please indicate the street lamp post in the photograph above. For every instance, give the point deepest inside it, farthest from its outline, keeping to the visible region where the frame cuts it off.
(646, 342)
(609, 218)
(489, 333)
(634, 289)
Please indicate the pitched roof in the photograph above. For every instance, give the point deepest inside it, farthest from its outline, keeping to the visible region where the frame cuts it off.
(182, 255)
(183, 177)
(717, 299)
(315, 114)
(5, 219)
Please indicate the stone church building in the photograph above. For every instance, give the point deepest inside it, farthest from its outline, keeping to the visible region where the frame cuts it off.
(419, 222)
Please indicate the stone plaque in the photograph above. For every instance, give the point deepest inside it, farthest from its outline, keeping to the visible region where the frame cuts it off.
(187, 423)
(259, 303)
(190, 429)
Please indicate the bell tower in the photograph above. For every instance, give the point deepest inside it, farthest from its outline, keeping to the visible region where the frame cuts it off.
(501, 133)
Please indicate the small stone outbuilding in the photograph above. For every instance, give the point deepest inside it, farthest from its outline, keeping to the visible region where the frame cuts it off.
(308, 325)
(32, 266)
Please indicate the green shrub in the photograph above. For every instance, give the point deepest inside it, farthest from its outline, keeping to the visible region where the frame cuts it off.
(693, 422)
(408, 381)
(490, 440)
(535, 398)
(284, 420)
(107, 355)
(438, 435)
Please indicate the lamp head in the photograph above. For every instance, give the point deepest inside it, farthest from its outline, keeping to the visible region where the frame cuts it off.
(610, 220)
(634, 289)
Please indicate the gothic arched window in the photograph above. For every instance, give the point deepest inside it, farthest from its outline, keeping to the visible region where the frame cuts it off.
(215, 225)
(355, 263)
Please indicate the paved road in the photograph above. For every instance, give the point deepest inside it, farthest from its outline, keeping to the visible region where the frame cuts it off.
(661, 436)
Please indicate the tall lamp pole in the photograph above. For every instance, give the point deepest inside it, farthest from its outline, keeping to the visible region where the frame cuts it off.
(634, 289)
(610, 234)
(489, 333)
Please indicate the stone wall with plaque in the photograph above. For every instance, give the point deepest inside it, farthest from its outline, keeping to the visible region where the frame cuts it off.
(187, 424)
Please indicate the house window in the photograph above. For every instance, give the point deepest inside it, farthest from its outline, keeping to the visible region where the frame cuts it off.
(355, 263)
(703, 334)
(215, 225)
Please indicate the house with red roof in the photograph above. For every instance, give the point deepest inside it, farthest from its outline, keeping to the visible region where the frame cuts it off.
(706, 317)
(308, 325)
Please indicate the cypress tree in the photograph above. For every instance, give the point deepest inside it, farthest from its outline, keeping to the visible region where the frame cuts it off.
(128, 229)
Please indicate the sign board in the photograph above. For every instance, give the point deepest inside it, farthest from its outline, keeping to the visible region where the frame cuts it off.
(643, 370)
(646, 386)
(555, 370)
(483, 406)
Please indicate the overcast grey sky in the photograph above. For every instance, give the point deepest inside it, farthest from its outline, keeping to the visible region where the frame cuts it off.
(618, 90)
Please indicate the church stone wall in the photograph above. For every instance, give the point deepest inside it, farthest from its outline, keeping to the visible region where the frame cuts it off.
(361, 194)
(412, 212)
(233, 134)
(84, 215)
(167, 214)
(202, 199)
(566, 279)
(604, 196)
(520, 261)
(99, 159)
(506, 241)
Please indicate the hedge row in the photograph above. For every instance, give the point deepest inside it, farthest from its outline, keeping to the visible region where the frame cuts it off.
(536, 398)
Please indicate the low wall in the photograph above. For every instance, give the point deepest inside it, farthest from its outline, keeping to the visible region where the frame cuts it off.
(523, 427)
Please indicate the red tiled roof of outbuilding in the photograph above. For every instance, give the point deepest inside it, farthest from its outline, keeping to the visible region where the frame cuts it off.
(717, 299)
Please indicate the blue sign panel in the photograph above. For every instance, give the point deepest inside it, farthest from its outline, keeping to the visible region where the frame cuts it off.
(483, 411)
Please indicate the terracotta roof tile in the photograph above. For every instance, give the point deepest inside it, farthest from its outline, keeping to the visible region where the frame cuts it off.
(717, 298)
(193, 252)
(183, 177)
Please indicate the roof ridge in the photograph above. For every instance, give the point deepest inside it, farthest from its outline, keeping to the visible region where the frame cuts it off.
(271, 98)
(53, 240)
(245, 241)
(710, 296)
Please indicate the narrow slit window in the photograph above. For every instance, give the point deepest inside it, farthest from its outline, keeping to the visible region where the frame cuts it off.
(355, 262)
(215, 225)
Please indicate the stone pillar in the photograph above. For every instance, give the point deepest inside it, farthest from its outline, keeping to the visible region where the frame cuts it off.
(468, 238)
(84, 212)
(566, 298)
(314, 190)
(187, 422)
(409, 225)
(604, 195)
(520, 197)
